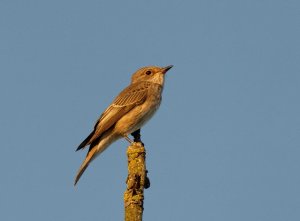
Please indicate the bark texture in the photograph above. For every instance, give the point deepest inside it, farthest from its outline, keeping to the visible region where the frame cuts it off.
(136, 182)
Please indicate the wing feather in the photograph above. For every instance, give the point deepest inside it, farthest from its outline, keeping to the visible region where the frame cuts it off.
(135, 94)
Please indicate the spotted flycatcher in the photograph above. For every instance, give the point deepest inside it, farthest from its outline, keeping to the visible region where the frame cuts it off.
(130, 110)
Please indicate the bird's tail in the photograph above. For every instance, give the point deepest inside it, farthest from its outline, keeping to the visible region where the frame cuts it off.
(96, 148)
(85, 164)
(86, 141)
(94, 151)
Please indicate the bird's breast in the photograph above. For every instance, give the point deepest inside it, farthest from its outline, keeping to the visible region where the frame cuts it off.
(141, 114)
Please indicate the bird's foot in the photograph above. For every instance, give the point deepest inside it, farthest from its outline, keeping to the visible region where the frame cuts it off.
(137, 136)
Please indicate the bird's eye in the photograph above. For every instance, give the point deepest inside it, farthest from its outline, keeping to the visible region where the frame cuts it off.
(148, 72)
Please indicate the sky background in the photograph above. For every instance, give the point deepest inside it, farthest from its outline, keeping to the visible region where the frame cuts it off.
(225, 144)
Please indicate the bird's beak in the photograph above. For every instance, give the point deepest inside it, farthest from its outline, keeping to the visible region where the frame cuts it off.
(165, 69)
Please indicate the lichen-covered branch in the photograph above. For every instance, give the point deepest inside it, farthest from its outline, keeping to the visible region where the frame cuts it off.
(136, 182)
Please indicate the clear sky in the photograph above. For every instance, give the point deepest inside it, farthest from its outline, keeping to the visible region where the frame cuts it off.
(225, 144)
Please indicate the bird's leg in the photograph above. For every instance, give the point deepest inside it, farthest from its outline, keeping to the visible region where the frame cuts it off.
(137, 136)
(127, 138)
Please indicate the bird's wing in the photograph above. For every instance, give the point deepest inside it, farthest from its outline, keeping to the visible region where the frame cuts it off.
(133, 95)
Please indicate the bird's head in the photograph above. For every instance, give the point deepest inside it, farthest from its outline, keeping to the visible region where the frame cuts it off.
(151, 73)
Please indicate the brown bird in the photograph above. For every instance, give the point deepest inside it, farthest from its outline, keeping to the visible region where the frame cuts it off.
(130, 110)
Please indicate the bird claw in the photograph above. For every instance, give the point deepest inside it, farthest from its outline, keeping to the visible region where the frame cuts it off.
(137, 136)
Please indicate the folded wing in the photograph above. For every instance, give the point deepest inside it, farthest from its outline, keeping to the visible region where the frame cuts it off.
(133, 95)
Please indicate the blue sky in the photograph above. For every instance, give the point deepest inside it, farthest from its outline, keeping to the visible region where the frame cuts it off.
(225, 143)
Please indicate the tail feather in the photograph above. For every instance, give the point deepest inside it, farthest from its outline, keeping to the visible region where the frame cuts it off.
(96, 148)
(85, 142)
(85, 164)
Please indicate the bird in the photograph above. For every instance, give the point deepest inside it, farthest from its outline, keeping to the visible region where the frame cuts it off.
(128, 112)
